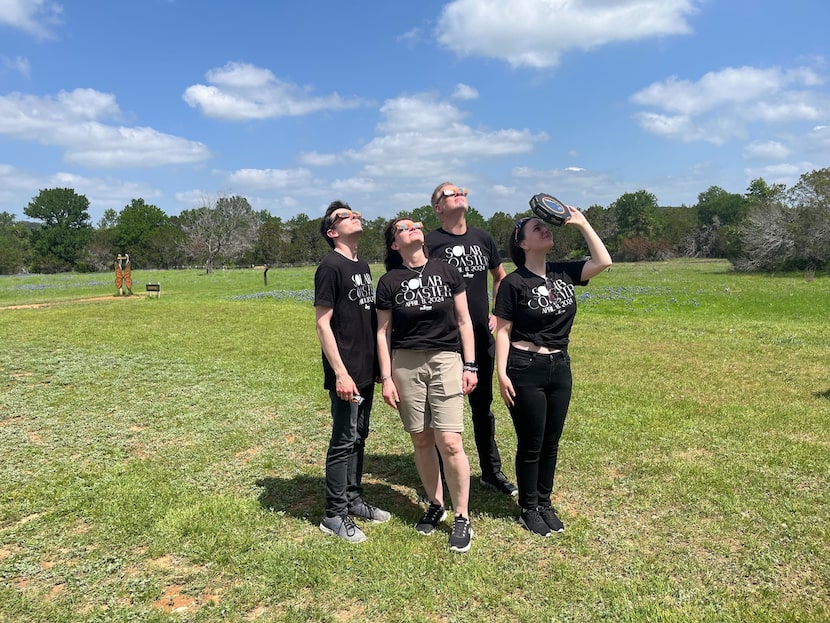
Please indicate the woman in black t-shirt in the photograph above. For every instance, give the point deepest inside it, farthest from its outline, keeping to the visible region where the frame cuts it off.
(535, 308)
(423, 326)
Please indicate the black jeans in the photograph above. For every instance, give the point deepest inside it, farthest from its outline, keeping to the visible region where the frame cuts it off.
(344, 459)
(543, 386)
(481, 399)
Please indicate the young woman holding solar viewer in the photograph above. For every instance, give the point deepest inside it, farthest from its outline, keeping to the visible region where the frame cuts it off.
(535, 309)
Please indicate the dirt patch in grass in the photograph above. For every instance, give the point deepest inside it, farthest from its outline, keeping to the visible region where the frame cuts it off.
(136, 296)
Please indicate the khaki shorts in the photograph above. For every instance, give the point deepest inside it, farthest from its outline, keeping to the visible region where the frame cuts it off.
(429, 386)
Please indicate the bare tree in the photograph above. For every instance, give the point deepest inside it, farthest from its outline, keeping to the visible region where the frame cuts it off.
(223, 228)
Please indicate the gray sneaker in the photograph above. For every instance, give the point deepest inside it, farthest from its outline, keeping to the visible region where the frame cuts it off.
(343, 527)
(362, 510)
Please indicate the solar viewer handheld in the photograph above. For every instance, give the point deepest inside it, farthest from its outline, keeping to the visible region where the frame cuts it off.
(549, 209)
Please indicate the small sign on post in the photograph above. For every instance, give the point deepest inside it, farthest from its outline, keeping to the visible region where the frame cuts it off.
(153, 287)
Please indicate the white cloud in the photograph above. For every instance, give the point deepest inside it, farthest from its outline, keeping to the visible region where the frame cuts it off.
(730, 86)
(71, 120)
(787, 173)
(721, 105)
(535, 33)
(240, 91)
(818, 140)
(36, 17)
(18, 64)
(464, 92)
(315, 159)
(270, 178)
(422, 137)
(765, 150)
(355, 184)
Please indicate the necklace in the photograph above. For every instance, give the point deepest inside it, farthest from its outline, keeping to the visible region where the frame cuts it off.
(416, 283)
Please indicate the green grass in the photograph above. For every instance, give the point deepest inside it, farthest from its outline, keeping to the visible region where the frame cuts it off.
(163, 459)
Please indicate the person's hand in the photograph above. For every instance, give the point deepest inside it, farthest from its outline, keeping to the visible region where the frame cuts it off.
(506, 390)
(469, 380)
(577, 217)
(491, 323)
(346, 388)
(390, 393)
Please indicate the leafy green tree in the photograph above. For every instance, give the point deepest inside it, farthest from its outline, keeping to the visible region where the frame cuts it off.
(811, 228)
(65, 230)
(636, 214)
(759, 192)
(14, 245)
(501, 227)
(426, 214)
(604, 222)
(137, 223)
(271, 246)
(729, 208)
(306, 244)
(638, 226)
(164, 247)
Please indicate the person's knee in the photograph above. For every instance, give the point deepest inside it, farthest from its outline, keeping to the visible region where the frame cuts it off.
(423, 440)
(450, 444)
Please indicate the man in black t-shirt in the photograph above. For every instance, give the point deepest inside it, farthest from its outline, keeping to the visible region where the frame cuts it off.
(474, 253)
(346, 327)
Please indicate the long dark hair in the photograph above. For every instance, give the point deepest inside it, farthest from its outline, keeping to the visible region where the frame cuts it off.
(517, 253)
(393, 259)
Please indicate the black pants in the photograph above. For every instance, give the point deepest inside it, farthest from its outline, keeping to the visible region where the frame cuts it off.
(344, 459)
(481, 399)
(543, 386)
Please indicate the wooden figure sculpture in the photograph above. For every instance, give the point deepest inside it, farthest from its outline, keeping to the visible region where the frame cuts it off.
(123, 279)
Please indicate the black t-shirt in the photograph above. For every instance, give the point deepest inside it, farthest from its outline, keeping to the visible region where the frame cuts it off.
(542, 310)
(423, 306)
(346, 287)
(473, 253)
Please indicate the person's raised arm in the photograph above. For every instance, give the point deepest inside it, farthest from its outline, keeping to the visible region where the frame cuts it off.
(600, 258)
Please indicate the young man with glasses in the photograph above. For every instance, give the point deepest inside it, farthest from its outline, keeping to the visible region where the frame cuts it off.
(473, 252)
(346, 327)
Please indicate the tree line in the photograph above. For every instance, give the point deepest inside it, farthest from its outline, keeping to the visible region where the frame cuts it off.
(767, 228)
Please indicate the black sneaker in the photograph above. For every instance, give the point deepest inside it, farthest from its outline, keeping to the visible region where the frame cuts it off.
(550, 517)
(532, 520)
(499, 482)
(461, 535)
(435, 514)
(363, 510)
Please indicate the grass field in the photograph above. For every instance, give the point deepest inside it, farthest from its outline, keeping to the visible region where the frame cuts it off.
(163, 460)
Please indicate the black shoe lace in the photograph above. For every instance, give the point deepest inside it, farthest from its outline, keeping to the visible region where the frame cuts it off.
(349, 525)
(433, 513)
(460, 527)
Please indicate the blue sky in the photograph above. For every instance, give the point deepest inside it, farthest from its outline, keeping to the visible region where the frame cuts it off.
(295, 104)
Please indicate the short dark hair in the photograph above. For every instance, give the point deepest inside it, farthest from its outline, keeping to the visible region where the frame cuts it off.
(326, 223)
(435, 198)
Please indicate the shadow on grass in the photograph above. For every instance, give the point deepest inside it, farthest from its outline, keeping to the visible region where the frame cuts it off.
(303, 496)
(825, 394)
(390, 482)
